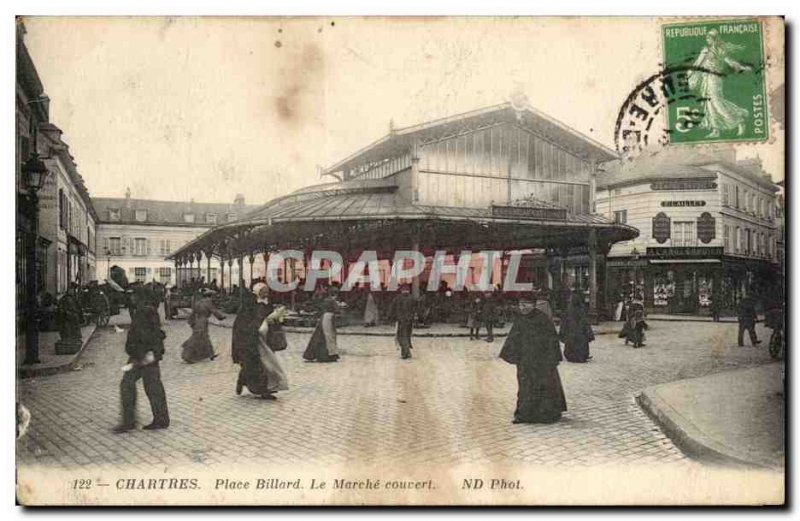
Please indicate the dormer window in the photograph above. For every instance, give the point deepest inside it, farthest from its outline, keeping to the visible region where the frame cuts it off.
(188, 217)
(211, 218)
(141, 215)
(113, 214)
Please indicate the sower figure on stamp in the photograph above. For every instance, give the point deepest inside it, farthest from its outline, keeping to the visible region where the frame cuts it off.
(714, 59)
(747, 320)
(145, 349)
(403, 313)
(532, 345)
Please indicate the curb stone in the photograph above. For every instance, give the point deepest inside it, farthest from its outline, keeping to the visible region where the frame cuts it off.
(34, 371)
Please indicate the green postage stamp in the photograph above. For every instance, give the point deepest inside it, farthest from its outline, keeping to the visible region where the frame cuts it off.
(724, 61)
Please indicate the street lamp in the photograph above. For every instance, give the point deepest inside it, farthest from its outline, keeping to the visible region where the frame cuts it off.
(34, 173)
(110, 254)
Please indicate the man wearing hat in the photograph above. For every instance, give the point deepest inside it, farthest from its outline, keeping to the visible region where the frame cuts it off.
(403, 311)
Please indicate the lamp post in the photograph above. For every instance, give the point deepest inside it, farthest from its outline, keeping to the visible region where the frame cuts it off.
(34, 173)
(109, 253)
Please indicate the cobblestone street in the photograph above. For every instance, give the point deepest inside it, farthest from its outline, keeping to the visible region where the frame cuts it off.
(452, 402)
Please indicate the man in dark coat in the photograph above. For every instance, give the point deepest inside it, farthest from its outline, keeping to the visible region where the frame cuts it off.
(715, 306)
(145, 349)
(488, 316)
(532, 345)
(575, 332)
(403, 313)
(747, 320)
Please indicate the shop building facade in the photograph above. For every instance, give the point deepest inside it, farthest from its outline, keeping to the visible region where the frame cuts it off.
(67, 218)
(707, 224)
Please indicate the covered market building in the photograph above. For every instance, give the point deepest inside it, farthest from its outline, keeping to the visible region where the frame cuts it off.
(501, 178)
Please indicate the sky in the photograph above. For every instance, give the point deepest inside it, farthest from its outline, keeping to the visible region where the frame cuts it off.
(205, 108)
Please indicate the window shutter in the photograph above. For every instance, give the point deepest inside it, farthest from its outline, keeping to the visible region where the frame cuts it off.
(105, 244)
(147, 247)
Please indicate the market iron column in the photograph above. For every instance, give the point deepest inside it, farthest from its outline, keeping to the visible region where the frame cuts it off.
(593, 275)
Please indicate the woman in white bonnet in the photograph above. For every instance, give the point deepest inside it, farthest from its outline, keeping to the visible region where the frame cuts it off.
(261, 371)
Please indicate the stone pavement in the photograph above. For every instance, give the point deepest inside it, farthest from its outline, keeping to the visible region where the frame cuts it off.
(452, 402)
(434, 330)
(51, 363)
(735, 418)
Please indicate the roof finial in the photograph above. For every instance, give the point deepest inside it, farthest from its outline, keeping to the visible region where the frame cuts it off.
(128, 192)
(519, 101)
(391, 126)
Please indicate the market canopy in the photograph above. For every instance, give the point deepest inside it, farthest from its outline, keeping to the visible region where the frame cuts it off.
(371, 214)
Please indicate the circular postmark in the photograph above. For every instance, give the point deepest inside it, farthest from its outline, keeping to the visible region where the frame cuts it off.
(642, 121)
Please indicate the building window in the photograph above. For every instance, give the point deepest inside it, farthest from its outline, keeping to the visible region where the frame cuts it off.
(140, 246)
(188, 217)
(211, 218)
(725, 195)
(738, 240)
(736, 197)
(747, 241)
(683, 233)
(165, 275)
(141, 215)
(113, 214)
(140, 274)
(166, 247)
(726, 237)
(621, 216)
(115, 245)
(231, 217)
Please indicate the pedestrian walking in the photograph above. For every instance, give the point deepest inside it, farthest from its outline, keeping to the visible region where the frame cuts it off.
(488, 316)
(635, 325)
(371, 312)
(403, 312)
(474, 312)
(260, 370)
(198, 347)
(145, 349)
(747, 320)
(714, 307)
(532, 345)
(322, 346)
(576, 332)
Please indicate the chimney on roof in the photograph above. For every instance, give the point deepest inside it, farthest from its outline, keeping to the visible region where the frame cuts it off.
(239, 200)
(128, 197)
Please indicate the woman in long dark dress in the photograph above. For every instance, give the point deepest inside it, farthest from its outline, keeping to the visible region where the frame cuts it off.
(532, 345)
(322, 345)
(198, 347)
(576, 333)
(260, 370)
